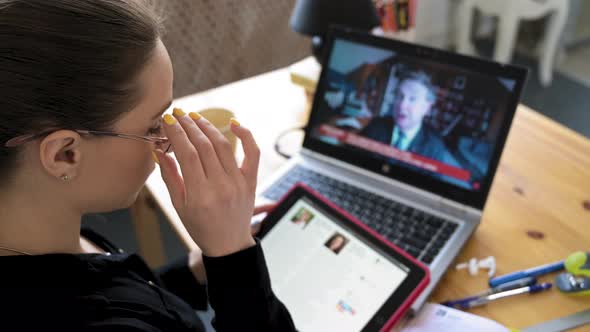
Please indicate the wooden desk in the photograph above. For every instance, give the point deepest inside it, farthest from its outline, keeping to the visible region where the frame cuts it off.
(542, 184)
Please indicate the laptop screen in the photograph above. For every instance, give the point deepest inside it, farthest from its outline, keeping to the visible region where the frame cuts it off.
(423, 114)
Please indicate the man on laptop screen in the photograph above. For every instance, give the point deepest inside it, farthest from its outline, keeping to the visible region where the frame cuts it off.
(404, 129)
(438, 120)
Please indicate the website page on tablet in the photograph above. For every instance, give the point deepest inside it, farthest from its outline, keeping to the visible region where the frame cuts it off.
(329, 279)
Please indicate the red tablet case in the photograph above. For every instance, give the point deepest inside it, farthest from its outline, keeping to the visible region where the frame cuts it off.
(415, 293)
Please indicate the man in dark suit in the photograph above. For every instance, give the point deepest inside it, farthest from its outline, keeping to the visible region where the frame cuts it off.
(404, 129)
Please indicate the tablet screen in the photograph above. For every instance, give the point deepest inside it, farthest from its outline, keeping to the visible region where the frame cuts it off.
(329, 279)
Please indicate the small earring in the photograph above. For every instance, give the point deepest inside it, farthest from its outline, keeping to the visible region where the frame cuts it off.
(65, 178)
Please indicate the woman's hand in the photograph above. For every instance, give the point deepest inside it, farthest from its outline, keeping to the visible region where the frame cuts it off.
(214, 197)
(195, 257)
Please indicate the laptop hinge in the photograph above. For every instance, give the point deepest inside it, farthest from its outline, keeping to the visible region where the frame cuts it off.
(453, 208)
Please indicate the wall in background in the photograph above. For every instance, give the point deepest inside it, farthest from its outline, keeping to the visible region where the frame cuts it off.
(434, 22)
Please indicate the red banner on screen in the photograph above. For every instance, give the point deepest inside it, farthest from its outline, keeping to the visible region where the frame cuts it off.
(391, 152)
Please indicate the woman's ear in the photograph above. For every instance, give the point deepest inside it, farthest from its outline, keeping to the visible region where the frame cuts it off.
(60, 154)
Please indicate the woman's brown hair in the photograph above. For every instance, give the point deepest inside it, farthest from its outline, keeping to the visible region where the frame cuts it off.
(70, 64)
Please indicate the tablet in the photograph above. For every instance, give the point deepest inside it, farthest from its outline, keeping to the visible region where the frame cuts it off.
(331, 271)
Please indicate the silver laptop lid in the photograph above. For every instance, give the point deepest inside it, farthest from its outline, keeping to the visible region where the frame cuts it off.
(429, 118)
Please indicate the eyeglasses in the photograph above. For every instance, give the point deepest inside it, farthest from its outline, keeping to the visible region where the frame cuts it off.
(158, 141)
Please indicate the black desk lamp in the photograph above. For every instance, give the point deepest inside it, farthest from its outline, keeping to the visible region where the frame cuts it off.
(313, 17)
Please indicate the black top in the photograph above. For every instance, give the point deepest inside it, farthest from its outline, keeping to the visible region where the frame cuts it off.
(119, 292)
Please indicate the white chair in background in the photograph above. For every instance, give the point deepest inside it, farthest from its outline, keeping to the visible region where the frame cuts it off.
(509, 13)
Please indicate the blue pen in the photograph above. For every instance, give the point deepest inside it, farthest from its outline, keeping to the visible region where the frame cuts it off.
(489, 298)
(528, 281)
(532, 272)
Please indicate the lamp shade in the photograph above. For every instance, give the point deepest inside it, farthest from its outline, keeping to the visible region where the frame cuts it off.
(313, 17)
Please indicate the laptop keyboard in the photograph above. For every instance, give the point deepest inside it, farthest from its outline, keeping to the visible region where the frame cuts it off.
(420, 234)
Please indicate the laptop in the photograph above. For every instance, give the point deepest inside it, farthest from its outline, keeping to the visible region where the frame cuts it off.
(407, 139)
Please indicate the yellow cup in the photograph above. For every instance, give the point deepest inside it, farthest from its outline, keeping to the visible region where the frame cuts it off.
(219, 117)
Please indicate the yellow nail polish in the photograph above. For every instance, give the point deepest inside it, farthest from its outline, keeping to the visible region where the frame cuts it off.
(155, 157)
(169, 119)
(195, 116)
(178, 112)
(234, 122)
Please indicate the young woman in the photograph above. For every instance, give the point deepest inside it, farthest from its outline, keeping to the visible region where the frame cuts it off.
(83, 87)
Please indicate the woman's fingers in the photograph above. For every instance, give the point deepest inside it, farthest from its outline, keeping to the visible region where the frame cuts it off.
(263, 208)
(222, 146)
(184, 150)
(257, 221)
(219, 223)
(172, 179)
(255, 228)
(251, 152)
(201, 143)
